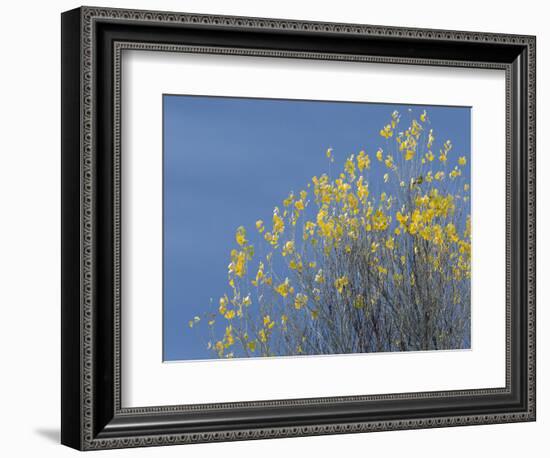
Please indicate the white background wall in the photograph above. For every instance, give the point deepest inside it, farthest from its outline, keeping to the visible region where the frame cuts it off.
(30, 215)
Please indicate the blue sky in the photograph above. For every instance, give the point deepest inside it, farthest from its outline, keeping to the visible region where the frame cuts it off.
(229, 161)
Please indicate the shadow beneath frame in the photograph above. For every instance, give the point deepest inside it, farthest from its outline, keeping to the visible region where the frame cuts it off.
(52, 435)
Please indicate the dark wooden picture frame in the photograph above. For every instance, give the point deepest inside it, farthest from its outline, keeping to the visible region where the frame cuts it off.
(92, 42)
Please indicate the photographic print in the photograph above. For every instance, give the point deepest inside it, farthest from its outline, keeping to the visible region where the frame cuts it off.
(305, 227)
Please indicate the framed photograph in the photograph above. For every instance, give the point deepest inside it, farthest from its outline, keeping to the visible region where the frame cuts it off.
(276, 228)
